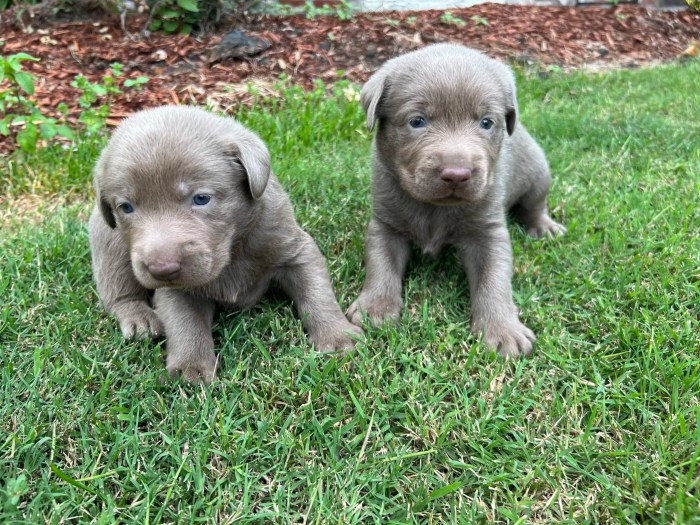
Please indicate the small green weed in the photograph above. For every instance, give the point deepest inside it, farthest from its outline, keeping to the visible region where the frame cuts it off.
(448, 18)
(479, 20)
(20, 113)
(29, 127)
(94, 116)
(175, 16)
(343, 10)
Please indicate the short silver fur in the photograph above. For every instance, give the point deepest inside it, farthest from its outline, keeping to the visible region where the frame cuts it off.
(416, 198)
(188, 259)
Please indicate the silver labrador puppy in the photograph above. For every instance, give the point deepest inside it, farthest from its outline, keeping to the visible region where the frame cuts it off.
(188, 207)
(450, 159)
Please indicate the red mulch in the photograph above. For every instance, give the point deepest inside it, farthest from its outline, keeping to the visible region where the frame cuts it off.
(304, 50)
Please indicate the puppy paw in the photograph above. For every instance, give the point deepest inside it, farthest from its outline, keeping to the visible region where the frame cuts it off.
(339, 338)
(199, 369)
(510, 338)
(545, 226)
(379, 310)
(137, 320)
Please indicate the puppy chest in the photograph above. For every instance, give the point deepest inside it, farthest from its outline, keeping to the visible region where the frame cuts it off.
(431, 236)
(432, 242)
(237, 287)
(434, 228)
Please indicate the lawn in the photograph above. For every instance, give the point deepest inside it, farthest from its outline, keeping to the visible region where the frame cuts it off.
(420, 424)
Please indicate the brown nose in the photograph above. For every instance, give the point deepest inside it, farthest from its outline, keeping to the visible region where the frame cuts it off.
(164, 270)
(455, 174)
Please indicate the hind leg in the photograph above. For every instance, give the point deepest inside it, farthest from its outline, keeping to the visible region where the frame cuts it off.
(531, 208)
(530, 187)
(531, 212)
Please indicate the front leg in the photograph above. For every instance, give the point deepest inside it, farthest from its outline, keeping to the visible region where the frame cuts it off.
(386, 255)
(188, 322)
(121, 294)
(488, 261)
(307, 281)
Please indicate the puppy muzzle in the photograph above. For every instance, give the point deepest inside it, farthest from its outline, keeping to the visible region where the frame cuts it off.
(173, 258)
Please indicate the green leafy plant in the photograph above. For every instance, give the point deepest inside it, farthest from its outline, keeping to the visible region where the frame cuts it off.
(311, 11)
(448, 18)
(94, 117)
(136, 83)
(23, 120)
(12, 71)
(175, 16)
(183, 16)
(278, 9)
(479, 20)
(344, 10)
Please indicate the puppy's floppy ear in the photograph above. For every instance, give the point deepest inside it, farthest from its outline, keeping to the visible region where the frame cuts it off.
(511, 104)
(107, 213)
(105, 208)
(511, 119)
(253, 155)
(371, 94)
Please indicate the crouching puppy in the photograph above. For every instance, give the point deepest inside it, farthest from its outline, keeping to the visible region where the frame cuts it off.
(449, 161)
(189, 208)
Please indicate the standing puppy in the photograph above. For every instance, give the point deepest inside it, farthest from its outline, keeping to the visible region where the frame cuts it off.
(188, 207)
(450, 159)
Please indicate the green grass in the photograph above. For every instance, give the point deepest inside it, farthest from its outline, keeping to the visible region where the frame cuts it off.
(420, 425)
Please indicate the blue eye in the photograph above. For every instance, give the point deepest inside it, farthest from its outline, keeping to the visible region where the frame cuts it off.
(486, 123)
(417, 122)
(201, 200)
(126, 207)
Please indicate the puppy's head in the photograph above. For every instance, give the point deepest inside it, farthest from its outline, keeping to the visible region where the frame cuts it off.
(181, 185)
(443, 113)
